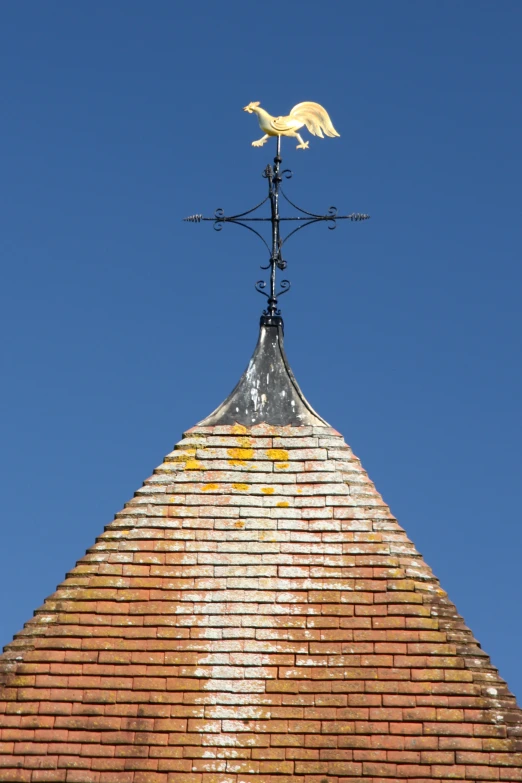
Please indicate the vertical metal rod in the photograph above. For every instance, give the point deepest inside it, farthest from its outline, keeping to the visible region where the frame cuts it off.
(273, 185)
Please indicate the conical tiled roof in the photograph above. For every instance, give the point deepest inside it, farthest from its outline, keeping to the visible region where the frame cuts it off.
(255, 614)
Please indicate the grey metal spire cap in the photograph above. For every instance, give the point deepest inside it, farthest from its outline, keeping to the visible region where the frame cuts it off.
(267, 391)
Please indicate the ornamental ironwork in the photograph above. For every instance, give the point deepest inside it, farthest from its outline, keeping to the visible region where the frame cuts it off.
(274, 176)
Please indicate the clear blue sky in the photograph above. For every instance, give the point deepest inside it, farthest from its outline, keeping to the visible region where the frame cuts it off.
(123, 326)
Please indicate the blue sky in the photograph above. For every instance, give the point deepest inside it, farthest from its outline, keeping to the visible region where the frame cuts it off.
(123, 326)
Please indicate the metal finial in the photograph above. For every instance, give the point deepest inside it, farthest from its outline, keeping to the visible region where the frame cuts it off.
(274, 176)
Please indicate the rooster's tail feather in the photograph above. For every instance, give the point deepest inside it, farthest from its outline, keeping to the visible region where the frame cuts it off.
(316, 119)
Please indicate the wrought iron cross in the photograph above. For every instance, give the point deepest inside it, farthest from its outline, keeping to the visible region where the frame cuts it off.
(274, 176)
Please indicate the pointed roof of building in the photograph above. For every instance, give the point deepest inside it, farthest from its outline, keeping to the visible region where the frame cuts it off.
(255, 614)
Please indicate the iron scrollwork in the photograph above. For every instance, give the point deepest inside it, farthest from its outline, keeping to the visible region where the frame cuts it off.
(274, 176)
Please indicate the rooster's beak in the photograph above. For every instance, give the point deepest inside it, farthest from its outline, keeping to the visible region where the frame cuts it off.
(246, 108)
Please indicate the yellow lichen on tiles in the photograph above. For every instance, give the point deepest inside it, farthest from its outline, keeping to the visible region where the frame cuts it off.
(238, 463)
(21, 681)
(282, 465)
(87, 594)
(193, 464)
(266, 536)
(239, 523)
(240, 453)
(277, 454)
(174, 499)
(209, 487)
(239, 429)
(190, 452)
(375, 537)
(267, 490)
(283, 504)
(240, 487)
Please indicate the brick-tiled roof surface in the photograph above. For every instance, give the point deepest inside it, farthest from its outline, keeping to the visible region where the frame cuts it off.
(255, 614)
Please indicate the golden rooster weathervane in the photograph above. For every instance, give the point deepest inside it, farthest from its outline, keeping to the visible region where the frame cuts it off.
(313, 115)
(318, 122)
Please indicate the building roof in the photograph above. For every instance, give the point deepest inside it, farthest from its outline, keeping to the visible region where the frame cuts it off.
(255, 614)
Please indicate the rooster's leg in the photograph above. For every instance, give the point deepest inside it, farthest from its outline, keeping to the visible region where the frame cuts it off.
(303, 145)
(260, 142)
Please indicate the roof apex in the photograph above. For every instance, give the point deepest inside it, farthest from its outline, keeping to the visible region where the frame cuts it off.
(267, 391)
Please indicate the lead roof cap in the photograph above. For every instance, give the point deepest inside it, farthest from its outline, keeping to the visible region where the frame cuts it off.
(267, 391)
